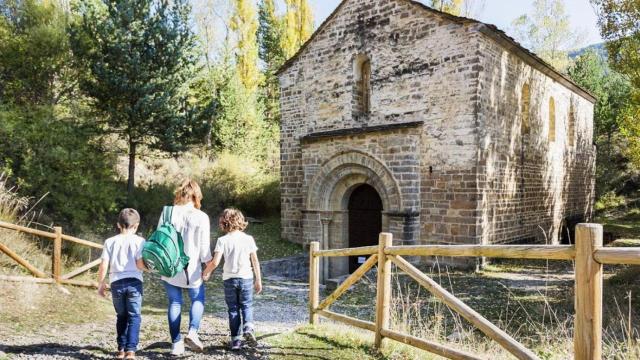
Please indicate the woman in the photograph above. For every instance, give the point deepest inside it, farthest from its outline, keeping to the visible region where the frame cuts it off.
(194, 226)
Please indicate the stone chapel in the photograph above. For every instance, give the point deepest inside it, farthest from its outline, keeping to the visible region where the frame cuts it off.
(439, 129)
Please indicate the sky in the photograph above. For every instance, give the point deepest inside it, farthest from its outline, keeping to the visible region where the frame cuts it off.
(502, 12)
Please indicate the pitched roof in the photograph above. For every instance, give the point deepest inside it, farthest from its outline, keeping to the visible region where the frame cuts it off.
(488, 29)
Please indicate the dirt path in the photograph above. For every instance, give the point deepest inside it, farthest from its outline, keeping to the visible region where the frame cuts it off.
(91, 333)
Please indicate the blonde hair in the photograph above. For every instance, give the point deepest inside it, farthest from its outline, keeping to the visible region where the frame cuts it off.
(189, 191)
(232, 220)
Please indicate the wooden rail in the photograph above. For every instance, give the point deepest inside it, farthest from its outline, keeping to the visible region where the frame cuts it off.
(56, 276)
(588, 253)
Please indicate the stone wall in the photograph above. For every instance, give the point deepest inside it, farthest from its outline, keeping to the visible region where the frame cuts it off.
(531, 183)
(442, 143)
(423, 69)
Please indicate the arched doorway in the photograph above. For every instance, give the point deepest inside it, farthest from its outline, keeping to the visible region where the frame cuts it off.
(365, 220)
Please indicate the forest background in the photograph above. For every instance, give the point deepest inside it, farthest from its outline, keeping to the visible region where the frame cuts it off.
(106, 104)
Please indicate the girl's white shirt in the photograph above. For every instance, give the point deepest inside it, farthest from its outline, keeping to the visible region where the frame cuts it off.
(194, 226)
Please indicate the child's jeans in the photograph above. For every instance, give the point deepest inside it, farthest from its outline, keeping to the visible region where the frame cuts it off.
(238, 294)
(174, 295)
(127, 300)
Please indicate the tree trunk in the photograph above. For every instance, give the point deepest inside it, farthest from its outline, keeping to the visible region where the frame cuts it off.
(132, 170)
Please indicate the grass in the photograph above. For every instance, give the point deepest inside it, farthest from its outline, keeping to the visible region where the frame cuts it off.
(26, 306)
(621, 224)
(267, 236)
(531, 300)
(334, 341)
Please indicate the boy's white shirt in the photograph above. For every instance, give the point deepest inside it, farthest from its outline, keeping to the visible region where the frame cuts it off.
(194, 226)
(236, 247)
(122, 251)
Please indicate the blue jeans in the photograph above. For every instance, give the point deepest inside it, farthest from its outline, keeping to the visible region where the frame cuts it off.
(127, 300)
(238, 294)
(174, 295)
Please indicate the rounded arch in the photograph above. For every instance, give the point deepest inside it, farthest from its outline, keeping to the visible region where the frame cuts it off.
(525, 101)
(552, 119)
(341, 174)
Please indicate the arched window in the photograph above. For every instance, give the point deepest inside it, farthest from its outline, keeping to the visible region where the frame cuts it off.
(525, 100)
(365, 86)
(571, 128)
(362, 87)
(552, 120)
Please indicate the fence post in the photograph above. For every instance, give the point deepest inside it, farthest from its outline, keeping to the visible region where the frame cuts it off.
(588, 294)
(314, 282)
(383, 295)
(57, 254)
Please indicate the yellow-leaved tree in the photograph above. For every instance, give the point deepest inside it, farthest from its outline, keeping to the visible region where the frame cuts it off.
(298, 26)
(244, 24)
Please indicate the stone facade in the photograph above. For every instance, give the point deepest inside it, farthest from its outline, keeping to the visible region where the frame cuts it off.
(457, 150)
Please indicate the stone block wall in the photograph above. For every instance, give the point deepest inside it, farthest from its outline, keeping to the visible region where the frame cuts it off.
(532, 183)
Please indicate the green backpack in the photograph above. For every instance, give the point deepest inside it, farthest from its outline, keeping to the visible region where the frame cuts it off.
(163, 252)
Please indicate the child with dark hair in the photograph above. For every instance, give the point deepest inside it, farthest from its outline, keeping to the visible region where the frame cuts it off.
(122, 256)
(240, 265)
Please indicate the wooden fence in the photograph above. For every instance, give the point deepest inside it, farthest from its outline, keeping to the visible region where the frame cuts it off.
(55, 276)
(588, 253)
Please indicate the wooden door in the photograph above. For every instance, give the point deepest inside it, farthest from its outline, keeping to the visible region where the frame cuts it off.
(365, 221)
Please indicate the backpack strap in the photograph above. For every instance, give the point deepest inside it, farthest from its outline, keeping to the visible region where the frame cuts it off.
(167, 214)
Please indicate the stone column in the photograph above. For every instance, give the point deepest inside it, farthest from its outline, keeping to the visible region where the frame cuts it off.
(324, 263)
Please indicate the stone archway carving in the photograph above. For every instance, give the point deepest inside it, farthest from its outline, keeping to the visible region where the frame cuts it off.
(329, 192)
(338, 175)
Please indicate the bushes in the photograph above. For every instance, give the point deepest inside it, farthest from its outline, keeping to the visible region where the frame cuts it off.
(228, 181)
(57, 160)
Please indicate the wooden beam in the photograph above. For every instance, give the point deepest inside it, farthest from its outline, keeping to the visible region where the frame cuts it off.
(547, 252)
(588, 294)
(314, 282)
(56, 262)
(82, 242)
(364, 250)
(82, 269)
(348, 320)
(17, 258)
(348, 282)
(93, 284)
(429, 346)
(477, 320)
(383, 294)
(628, 256)
(24, 229)
(26, 279)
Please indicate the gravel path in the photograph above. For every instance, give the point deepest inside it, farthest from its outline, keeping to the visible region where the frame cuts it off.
(280, 308)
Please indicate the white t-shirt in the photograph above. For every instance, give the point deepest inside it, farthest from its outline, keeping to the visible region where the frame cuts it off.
(122, 251)
(194, 226)
(236, 247)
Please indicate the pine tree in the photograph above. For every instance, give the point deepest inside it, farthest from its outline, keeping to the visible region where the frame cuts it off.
(272, 55)
(244, 23)
(298, 26)
(138, 56)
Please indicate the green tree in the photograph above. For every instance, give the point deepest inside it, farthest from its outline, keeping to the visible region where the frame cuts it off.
(244, 23)
(619, 22)
(612, 92)
(298, 26)
(35, 61)
(138, 55)
(547, 32)
(272, 56)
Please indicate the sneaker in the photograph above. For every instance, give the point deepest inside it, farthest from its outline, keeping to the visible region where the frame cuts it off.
(177, 349)
(120, 354)
(250, 337)
(130, 355)
(236, 345)
(193, 342)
